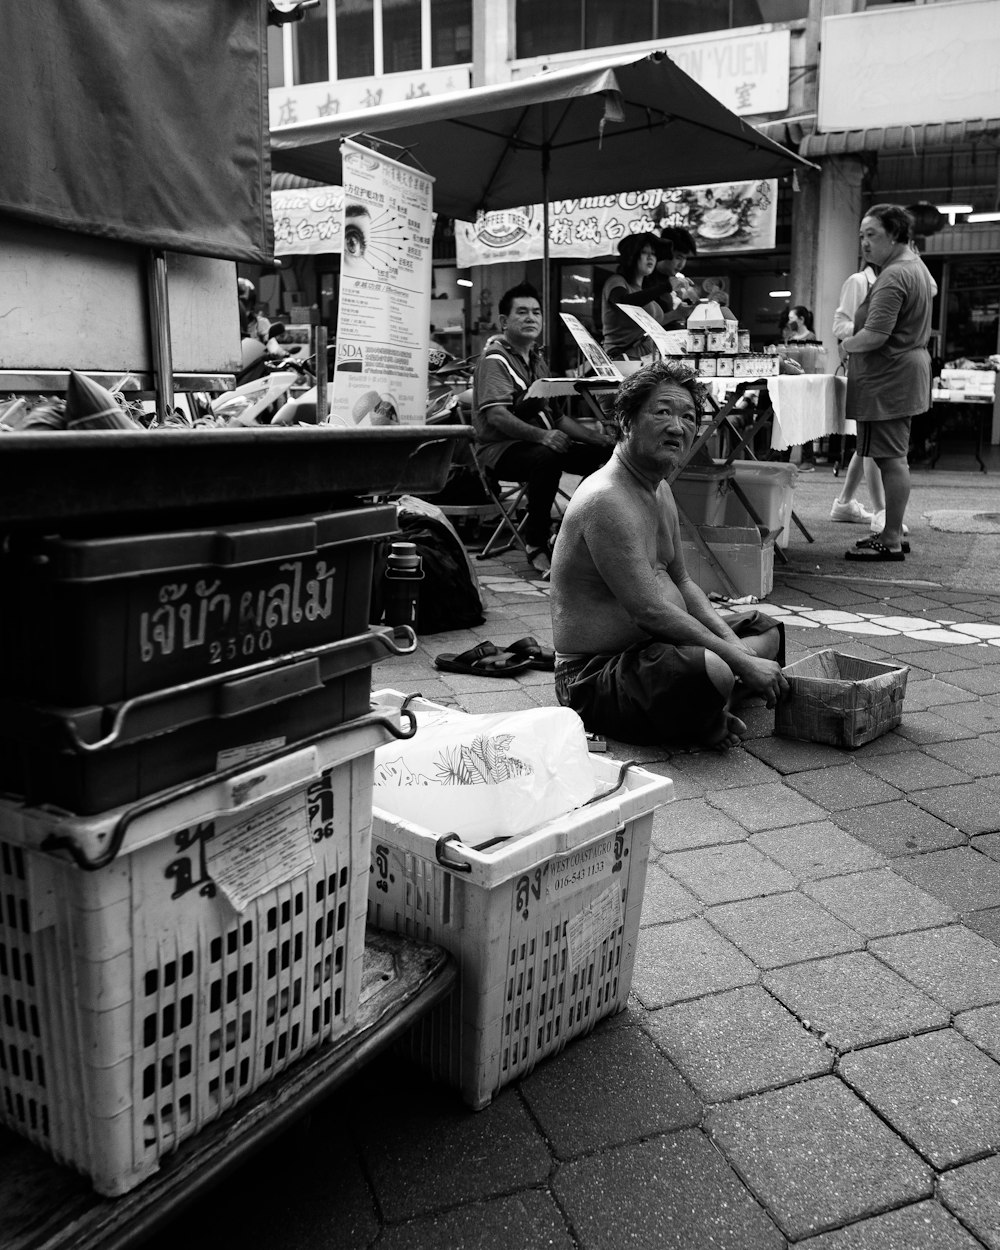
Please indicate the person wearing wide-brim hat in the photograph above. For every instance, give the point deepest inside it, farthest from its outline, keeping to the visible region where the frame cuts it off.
(644, 276)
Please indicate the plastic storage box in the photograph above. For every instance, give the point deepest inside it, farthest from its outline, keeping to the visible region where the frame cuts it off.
(544, 926)
(840, 699)
(141, 999)
(91, 758)
(93, 620)
(156, 473)
(701, 491)
(768, 485)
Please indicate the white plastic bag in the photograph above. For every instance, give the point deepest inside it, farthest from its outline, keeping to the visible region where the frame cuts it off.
(486, 776)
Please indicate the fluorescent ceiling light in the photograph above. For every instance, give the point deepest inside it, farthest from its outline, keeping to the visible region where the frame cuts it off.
(780, 294)
(952, 210)
(463, 282)
(983, 217)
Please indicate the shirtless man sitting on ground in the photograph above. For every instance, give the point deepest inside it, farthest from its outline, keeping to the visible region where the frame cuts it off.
(641, 653)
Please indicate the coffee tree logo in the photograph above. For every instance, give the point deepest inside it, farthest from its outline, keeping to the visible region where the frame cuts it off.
(504, 227)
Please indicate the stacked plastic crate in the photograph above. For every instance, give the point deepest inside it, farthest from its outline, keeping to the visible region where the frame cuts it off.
(543, 926)
(186, 771)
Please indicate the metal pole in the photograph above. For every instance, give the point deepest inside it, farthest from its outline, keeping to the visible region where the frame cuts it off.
(159, 330)
(321, 376)
(548, 320)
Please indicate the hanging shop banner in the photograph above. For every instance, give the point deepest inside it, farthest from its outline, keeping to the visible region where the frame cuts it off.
(383, 323)
(722, 217)
(308, 222)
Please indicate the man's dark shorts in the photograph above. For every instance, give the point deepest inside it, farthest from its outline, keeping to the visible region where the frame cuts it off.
(653, 693)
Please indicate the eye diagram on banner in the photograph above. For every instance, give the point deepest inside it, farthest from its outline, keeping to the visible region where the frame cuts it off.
(722, 217)
(309, 222)
(383, 323)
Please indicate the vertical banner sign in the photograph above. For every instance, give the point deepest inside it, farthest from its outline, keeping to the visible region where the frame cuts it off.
(383, 324)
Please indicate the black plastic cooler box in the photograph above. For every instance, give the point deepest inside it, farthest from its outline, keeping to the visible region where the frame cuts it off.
(51, 477)
(89, 759)
(99, 619)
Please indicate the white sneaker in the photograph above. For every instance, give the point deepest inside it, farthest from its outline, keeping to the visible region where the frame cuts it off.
(878, 523)
(852, 511)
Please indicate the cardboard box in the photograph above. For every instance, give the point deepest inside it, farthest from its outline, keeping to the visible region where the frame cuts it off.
(746, 555)
(840, 699)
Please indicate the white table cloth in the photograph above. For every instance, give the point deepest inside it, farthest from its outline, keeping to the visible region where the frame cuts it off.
(807, 406)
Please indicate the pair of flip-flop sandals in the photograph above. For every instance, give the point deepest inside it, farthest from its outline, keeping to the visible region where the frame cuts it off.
(489, 660)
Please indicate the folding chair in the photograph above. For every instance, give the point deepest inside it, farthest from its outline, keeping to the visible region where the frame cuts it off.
(504, 500)
(509, 501)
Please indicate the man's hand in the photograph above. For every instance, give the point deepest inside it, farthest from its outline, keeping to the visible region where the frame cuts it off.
(555, 440)
(763, 677)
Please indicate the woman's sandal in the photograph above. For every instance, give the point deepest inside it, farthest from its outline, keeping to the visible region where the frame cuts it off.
(872, 551)
(904, 546)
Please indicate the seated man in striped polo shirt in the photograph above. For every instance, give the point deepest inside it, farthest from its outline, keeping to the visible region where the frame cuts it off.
(519, 439)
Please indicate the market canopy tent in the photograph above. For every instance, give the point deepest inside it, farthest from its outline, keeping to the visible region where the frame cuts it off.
(143, 123)
(614, 125)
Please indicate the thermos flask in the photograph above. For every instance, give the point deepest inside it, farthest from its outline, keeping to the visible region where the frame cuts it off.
(403, 575)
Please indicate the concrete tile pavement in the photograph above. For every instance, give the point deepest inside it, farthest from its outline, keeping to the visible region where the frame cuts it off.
(811, 1053)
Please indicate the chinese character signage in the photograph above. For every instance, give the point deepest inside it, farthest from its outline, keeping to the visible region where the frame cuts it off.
(307, 222)
(383, 325)
(748, 72)
(722, 217)
(304, 102)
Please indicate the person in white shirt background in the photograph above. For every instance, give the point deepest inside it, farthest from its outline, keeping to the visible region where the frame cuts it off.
(845, 506)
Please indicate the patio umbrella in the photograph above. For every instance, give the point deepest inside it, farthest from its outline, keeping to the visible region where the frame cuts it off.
(606, 126)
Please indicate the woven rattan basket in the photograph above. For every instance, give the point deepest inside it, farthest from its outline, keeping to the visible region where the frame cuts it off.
(840, 699)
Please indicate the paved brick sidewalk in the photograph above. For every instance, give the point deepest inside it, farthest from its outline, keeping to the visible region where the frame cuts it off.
(811, 1054)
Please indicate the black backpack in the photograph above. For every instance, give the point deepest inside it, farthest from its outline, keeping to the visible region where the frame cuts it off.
(449, 596)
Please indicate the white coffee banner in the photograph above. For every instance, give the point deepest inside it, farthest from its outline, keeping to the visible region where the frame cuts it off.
(308, 222)
(722, 217)
(383, 323)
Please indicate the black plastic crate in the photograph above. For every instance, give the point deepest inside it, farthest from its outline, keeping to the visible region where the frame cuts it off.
(89, 759)
(53, 476)
(98, 619)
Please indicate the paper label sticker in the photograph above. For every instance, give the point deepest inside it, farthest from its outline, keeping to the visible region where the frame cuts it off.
(261, 852)
(589, 928)
(582, 867)
(242, 755)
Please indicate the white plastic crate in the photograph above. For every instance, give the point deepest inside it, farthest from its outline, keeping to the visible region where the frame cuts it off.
(137, 1002)
(543, 926)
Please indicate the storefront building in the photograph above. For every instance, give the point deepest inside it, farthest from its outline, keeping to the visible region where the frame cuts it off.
(907, 112)
(891, 101)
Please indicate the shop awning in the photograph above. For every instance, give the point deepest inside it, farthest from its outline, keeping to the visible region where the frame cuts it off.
(914, 139)
(604, 126)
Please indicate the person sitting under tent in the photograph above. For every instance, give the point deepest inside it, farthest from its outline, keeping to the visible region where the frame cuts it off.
(520, 439)
(641, 654)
